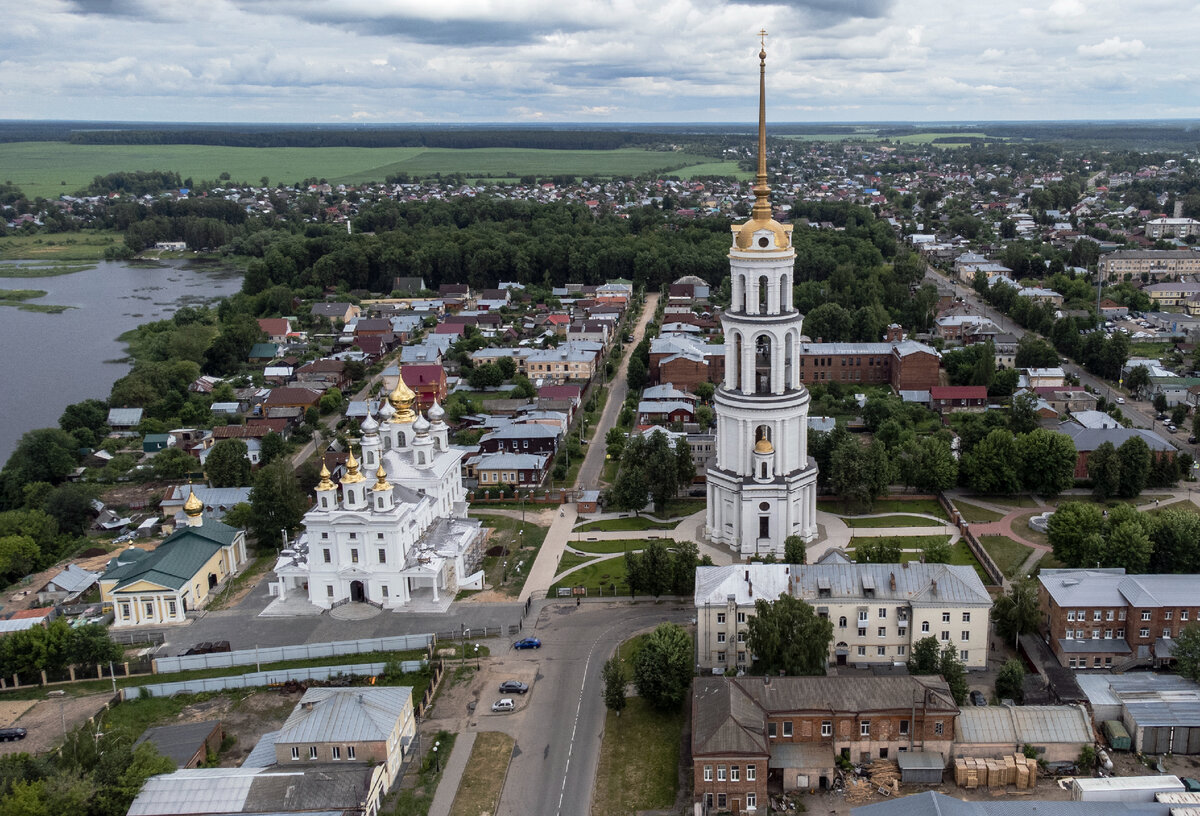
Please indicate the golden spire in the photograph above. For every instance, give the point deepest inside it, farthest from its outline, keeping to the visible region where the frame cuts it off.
(325, 484)
(381, 482)
(402, 399)
(762, 192)
(352, 475)
(193, 506)
(760, 214)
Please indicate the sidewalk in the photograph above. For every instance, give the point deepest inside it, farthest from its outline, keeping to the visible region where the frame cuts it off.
(456, 766)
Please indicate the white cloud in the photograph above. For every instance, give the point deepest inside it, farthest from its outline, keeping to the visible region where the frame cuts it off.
(1113, 47)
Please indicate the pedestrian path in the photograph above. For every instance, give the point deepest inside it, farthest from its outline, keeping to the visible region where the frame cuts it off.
(456, 766)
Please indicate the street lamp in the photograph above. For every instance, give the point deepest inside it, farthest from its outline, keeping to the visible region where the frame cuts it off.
(476, 656)
(437, 763)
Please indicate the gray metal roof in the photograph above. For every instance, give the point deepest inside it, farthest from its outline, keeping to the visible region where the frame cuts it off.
(1017, 725)
(198, 790)
(311, 789)
(345, 715)
(1094, 646)
(1112, 587)
(920, 760)
(931, 803)
(179, 742)
(914, 583)
(263, 753)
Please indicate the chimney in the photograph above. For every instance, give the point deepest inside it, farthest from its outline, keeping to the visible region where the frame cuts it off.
(933, 586)
(307, 706)
(892, 582)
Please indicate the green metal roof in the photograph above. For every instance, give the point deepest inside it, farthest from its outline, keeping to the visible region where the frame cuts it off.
(176, 561)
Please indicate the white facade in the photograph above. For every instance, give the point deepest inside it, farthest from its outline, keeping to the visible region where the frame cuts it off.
(405, 537)
(762, 487)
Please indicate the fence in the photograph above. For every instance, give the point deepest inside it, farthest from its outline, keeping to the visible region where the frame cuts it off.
(134, 638)
(462, 635)
(278, 654)
(266, 678)
(973, 544)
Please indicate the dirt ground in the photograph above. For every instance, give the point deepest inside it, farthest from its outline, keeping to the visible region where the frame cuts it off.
(244, 716)
(44, 720)
(463, 687)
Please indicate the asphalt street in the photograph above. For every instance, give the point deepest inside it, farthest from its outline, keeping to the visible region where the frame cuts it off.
(559, 732)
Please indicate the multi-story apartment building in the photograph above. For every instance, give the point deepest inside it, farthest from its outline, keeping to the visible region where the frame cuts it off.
(797, 726)
(1103, 618)
(878, 611)
(1177, 227)
(1172, 294)
(1156, 263)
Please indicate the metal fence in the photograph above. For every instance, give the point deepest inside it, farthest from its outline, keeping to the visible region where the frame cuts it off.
(266, 678)
(463, 635)
(135, 638)
(278, 654)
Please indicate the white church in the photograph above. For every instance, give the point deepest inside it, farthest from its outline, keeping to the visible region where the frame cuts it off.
(762, 486)
(403, 538)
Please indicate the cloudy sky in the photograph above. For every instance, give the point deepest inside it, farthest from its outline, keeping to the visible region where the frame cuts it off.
(596, 61)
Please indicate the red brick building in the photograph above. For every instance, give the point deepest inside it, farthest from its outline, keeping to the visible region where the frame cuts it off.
(905, 365)
(1105, 619)
(949, 398)
(427, 381)
(1087, 440)
(791, 729)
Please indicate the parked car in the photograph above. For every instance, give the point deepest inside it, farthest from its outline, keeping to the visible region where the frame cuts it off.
(978, 699)
(1120, 400)
(10, 734)
(504, 704)
(513, 687)
(528, 643)
(1192, 440)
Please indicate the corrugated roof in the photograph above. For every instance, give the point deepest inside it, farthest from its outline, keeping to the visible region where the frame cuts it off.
(263, 753)
(198, 790)
(1112, 587)
(179, 742)
(346, 715)
(1036, 725)
(931, 803)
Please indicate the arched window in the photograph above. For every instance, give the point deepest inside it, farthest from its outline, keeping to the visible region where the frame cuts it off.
(785, 292)
(762, 364)
(762, 295)
(842, 622)
(737, 362)
(788, 368)
(764, 470)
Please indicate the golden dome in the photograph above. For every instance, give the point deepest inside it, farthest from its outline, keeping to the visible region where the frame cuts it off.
(325, 484)
(764, 446)
(402, 399)
(352, 475)
(381, 482)
(193, 506)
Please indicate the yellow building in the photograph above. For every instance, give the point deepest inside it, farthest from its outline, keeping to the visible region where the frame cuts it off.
(160, 586)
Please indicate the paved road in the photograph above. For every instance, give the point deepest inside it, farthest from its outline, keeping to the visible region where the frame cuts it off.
(558, 735)
(593, 460)
(301, 456)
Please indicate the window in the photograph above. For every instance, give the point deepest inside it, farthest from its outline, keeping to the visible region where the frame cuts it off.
(1183, 615)
(349, 752)
(902, 614)
(382, 555)
(882, 631)
(1095, 634)
(1121, 633)
(295, 752)
(708, 773)
(171, 608)
(1145, 614)
(1079, 634)
(149, 609)
(902, 631)
(337, 752)
(1167, 633)
(1071, 663)
(1144, 633)
(862, 631)
(720, 637)
(741, 637)
(385, 590)
(826, 728)
(966, 634)
(862, 616)
(720, 773)
(924, 626)
(1108, 634)
(751, 773)
(125, 611)
(862, 651)
(772, 728)
(312, 752)
(353, 556)
(842, 622)
(882, 613)
(787, 728)
(939, 728)
(966, 617)
(864, 728)
(329, 590)
(1096, 662)
(881, 651)
(720, 617)
(741, 617)
(328, 556)
(903, 728)
(1109, 615)
(900, 650)
(751, 801)
(324, 535)
(945, 617)
(721, 799)
(945, 635)
(735, 773)
(1120, 614)
(1095, 614)
(963, 655)
(1071, 616)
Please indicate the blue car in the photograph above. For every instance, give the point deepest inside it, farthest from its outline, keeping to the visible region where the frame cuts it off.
(528, 643)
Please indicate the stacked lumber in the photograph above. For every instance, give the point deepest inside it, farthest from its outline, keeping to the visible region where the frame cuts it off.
(882, 779)
(1012, 769)
(883, 772)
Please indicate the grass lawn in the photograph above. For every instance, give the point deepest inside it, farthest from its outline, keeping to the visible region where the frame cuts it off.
(1185, 506)
(87, 245)
(600, 578)
(479, 789)
(639, 761)
(976, 514)
(624, 524)
(678, 508)
(890, 521)
(905, 542)
(570, 559)
(1008, 554)
(928, 506)
(1047, 561)
(960, 554)
(619, 545)
(609, 474)
(522, 550)
(1011, 501)
(415, 801)
(726, 168)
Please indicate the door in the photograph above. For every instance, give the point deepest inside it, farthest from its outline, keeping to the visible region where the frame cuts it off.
(357, 593)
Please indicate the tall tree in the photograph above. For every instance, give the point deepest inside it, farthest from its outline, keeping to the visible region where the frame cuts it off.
(992, 465)
(1016, 612)
(1104, 469)
(1134, 455)
(1186, 651)
(613, 675)
(684, 464)
(662, 668)
(1047, 461)
(794, 551)
(954, 673)
(227, 464)
(276, 503)
(1069, 530)
(924, 658)
(787, 635)
(1010, 680)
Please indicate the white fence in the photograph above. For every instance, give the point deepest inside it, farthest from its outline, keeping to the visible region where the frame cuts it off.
(278, 654)
(266, 678)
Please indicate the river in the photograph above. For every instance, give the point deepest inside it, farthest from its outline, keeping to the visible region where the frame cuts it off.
(52, 360)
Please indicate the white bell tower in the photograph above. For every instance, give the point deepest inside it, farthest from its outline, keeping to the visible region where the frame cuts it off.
(762, 486)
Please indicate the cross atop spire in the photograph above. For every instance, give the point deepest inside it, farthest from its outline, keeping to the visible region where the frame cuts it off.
(762, 38)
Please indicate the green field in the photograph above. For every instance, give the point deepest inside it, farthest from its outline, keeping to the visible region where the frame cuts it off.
(725, 168)
(50, 169)
(892, 521)
(87, 245)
